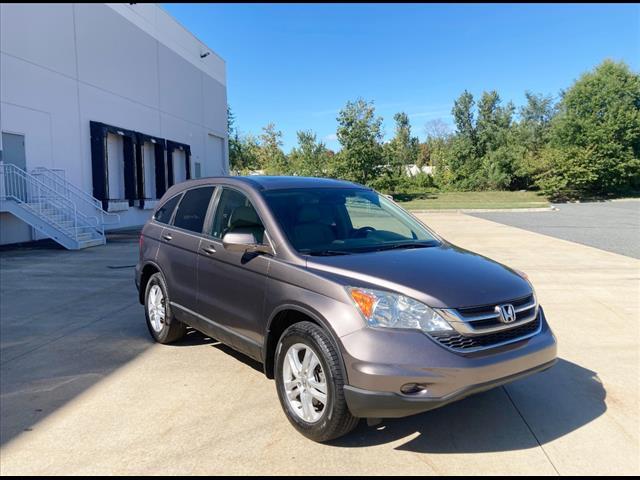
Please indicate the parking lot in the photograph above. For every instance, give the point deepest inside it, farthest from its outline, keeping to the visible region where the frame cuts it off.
(611, 226)
(83, 390)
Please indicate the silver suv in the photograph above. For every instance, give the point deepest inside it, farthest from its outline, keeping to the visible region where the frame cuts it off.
(356, 308)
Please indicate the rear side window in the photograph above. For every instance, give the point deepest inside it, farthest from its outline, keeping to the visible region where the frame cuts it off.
(163, 214)
(193, 209)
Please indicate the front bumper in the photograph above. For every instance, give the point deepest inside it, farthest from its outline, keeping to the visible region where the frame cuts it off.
(379, 363)
(368, 404)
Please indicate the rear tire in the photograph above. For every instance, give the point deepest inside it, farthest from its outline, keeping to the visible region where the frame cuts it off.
(300, 388)
(162, 325)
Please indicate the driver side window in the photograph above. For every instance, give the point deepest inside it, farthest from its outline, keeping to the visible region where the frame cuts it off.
(236, 214)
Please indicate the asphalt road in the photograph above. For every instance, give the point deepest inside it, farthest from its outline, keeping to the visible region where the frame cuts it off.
(83, 389)
(611, 226)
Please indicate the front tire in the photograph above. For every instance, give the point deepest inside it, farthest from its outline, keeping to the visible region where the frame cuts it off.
(162, 325)
(310, 381)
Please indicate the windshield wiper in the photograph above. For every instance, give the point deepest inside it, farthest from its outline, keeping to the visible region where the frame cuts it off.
(406, 245)
(324, 253)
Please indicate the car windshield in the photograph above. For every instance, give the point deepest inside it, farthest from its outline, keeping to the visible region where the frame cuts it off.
(340, 221)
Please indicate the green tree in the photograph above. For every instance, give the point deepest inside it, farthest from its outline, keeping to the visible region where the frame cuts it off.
(360, 135)
(402, 150)
(463, 117)
(310, 157)
(595, 137)
(589, 143)
(271, 157)
(403, 147)
(493, 124)
(460, 164)
(244, 150)
(231, 120)
(438, 134)
(235, 156)
(248, 154)
(532, 135)
(497, 147)
(535, 121)
(424, 155)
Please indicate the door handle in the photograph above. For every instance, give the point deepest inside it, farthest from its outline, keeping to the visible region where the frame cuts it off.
(210, 250)
(167, 237)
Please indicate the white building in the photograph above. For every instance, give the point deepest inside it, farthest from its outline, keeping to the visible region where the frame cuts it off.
(413, 170)
(118, 100)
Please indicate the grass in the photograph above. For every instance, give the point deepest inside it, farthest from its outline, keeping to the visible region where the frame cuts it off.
(470, 200)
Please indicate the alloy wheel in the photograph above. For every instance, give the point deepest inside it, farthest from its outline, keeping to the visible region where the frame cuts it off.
(156, 308)
(305, 383)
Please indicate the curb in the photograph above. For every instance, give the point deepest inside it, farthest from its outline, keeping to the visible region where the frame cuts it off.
(485, 210)
(633, 199)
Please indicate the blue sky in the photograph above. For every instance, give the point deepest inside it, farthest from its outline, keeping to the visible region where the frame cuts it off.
(297, 65)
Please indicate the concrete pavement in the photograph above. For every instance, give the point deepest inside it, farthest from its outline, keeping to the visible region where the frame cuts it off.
(613, 225)
(84, 391)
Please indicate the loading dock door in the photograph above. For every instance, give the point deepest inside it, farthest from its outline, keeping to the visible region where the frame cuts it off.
(178, 162)
(179, 166)
(118, 168)
(115, 162)
(149, 153)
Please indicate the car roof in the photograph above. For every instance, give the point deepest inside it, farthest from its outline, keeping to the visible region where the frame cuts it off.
(265, 182)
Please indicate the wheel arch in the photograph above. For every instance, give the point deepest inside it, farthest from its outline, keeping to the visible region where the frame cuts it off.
(146, 272)
(282, 318)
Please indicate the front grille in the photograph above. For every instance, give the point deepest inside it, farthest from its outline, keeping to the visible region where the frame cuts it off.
(455, 341)
(470, 314)
(488, 309)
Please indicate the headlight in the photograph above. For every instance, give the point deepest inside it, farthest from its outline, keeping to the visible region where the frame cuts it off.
(528, 280)
(392, 310)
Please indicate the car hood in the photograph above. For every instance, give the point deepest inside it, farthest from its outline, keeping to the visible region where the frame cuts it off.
(443, 276)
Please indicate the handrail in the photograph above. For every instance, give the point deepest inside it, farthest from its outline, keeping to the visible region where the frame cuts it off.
(67, 185)
(23, 187)
(71, 189)
(48, 175)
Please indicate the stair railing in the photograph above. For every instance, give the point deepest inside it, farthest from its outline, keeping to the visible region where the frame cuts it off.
(37, 197)
(86, 204)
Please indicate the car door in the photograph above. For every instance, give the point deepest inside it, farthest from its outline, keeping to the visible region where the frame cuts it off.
(231, 285)
(180, 240)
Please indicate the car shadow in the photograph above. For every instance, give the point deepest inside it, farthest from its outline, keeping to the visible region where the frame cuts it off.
(195, 337)
(521, 415)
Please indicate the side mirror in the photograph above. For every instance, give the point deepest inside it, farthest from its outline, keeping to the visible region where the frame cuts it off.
(244, 242)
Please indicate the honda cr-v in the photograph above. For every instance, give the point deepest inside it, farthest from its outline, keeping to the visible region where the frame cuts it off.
(354, 306)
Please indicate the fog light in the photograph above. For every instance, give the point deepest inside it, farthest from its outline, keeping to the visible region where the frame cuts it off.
(413, 388)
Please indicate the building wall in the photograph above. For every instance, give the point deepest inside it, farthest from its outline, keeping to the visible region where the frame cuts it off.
(131, 66)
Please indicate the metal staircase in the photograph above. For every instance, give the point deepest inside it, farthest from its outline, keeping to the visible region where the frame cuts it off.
(53, 206)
